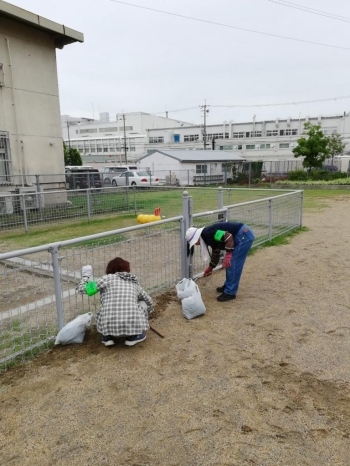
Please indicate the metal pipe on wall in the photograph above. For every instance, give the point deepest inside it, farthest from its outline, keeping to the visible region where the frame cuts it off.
(15, 111)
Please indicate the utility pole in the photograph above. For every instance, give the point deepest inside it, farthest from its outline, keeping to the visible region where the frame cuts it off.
(68, 134)
(205, 110)
(125, 148)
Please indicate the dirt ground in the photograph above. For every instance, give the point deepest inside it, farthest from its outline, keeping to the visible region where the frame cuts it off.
(261, 380)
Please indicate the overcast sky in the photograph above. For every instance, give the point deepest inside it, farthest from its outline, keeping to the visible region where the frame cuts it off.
(135, 59)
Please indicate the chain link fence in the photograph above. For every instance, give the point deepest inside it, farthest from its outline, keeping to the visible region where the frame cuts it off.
(38, 284)
(31, 209)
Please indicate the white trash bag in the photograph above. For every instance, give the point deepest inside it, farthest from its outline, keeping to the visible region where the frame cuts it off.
(185, 288)
(74, 331)
(193, 305)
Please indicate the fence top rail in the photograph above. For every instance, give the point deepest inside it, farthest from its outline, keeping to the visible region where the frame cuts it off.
(300, 191)
(69, 242)
(210, 212)
(260, 189)
(224, 209)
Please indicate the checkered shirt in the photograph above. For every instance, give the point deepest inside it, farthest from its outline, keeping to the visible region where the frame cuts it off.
(120, 313)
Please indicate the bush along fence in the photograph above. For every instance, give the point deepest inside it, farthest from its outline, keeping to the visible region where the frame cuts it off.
(38, 284)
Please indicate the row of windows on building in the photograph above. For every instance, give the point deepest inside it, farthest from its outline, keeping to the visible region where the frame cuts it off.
(268, 133)
(278, 132)
(209, 137)
(281, 145)
(103, 130)
(239, 135)
(84, 148)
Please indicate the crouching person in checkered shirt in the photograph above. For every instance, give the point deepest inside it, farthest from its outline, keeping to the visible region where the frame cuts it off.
(125, 306)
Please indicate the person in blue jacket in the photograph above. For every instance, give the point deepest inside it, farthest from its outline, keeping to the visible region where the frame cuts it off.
(235, 239)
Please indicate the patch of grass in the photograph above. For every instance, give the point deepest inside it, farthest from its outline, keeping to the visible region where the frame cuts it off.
(53, 233)
(28, 355)
(19, 340)
(316, 199)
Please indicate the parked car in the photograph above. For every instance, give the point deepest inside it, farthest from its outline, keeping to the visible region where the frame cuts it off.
(109, 172)
(135, 178)
(330, 168)
(83, 177)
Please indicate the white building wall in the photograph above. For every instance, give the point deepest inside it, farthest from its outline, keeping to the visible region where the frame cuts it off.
(30, 102)
(271, 140)
(267, 141)
(77, 132)
(167, 168)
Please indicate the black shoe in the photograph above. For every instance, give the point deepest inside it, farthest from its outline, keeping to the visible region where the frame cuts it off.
(226, 297)
(107, 340)
(132, 340)
(220, 289)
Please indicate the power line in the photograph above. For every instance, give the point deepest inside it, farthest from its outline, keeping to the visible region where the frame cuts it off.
(229, 26)
(252, 105)
(311, 10)
(261, 105)
(173, 111)
(285, 103)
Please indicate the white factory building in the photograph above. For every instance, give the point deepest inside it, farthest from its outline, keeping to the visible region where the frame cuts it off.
(102, 141)
(271, 140)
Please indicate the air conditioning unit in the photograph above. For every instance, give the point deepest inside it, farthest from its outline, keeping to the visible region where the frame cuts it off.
(258, 147)
(31, 199)
(6, 204)
(292, 145)
(235, 147)
(272, 145)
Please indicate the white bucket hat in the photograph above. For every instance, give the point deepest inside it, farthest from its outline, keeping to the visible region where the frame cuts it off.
(193, 234)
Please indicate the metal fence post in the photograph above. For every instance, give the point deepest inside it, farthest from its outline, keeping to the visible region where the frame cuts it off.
(135, 205)
(88, 203)
(221, 216)
(270, 174)
(270, 219)
(220, 197)
(37, 182)
(301, 208)
(127, 194)
(58, 288)
(23, 204)
(186, 223)
(38, 196)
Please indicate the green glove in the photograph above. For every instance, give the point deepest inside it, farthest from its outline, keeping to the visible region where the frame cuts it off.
(91, 288)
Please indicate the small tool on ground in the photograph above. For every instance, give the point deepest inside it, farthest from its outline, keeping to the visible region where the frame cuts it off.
(156, 331)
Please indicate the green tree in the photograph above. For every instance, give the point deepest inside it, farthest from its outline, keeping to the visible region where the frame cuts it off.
(313, 147)
(71, 156)
(335, 146)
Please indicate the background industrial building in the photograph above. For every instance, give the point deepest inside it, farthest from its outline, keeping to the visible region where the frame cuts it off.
(102, 141)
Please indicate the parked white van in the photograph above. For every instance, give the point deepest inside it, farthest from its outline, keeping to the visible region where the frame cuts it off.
(109, 171)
